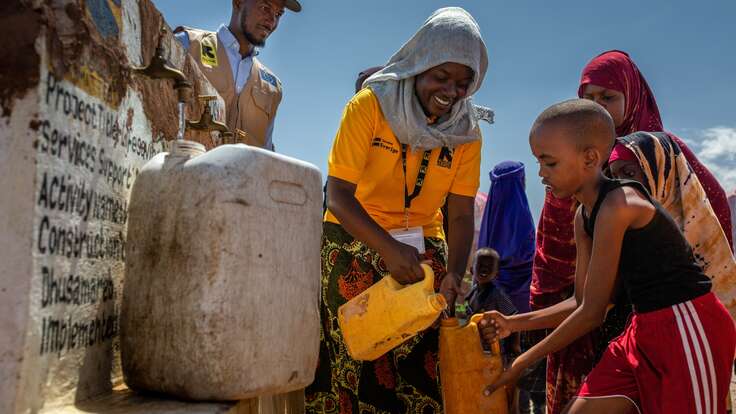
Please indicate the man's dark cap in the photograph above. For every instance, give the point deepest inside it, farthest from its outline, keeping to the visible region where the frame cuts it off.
(293, 5)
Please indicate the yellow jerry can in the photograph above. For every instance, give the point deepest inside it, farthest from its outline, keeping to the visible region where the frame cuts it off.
(467, 366)
(387, 314)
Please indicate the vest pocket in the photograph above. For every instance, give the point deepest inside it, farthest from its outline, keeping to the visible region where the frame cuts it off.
(263, 100)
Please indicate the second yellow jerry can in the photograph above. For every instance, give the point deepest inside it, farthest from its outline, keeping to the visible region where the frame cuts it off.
(467, 367)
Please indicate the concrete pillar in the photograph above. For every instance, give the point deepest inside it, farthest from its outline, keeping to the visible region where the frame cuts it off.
(76, 125)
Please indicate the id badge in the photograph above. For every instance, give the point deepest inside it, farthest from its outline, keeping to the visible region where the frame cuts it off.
(413, 236)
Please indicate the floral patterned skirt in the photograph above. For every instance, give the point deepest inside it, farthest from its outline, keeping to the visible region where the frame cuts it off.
(404, 380)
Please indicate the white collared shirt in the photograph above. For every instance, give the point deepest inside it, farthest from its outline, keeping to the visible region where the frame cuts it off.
(240, 66)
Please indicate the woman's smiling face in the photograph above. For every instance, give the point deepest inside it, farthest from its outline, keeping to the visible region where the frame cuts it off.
(440, 87)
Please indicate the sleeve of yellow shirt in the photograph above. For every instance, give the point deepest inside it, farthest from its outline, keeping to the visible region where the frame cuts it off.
(350, 150)
(467, 179)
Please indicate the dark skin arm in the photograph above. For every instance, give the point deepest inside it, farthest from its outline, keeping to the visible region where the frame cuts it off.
(401, 260)
(460, 211)
(622, 208)
(495, 324)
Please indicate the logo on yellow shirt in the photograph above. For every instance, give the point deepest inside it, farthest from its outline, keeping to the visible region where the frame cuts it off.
(384, 144)
(445, 158)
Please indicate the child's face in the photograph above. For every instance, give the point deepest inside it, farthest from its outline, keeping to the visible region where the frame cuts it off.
(613, 100)
(562, 166)
(630, 170)
(487, 269)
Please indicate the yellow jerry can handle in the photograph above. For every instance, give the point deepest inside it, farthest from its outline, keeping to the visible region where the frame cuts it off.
(495, 347)
(428, 281)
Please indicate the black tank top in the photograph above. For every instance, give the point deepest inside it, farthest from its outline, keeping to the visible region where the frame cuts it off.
(657, 267)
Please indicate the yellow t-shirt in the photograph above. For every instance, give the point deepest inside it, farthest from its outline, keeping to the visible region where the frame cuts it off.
(367, 153)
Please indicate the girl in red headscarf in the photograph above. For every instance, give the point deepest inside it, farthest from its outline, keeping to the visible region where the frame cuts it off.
(612, 80)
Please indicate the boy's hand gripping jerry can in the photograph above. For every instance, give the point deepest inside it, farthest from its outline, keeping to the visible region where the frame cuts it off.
(466, 368)
(387, 314)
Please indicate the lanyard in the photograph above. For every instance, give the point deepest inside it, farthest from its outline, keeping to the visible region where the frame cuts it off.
(408, 198)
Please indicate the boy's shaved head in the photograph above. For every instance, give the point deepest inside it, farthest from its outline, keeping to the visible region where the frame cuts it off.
(584, 121)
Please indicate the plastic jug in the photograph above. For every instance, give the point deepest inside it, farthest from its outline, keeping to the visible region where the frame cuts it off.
(466, 368)
(222, 274)
(387, 314)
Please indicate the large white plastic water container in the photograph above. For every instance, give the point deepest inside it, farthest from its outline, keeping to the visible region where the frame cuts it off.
(220, 299)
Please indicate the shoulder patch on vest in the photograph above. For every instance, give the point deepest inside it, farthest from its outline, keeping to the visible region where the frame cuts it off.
(208, 52)
(269, 77)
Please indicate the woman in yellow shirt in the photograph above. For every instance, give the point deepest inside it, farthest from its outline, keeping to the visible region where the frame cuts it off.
(407, 142)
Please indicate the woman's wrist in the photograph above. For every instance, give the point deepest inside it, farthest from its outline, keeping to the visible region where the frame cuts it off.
(456, 279)
(454, 275)
(383, 243)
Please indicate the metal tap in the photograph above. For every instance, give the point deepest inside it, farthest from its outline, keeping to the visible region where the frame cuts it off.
(205, 121)
(228, 138)
(160, 68)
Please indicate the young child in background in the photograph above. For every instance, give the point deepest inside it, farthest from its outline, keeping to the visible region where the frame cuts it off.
(507, 227)
(486, 296)
(676, 353)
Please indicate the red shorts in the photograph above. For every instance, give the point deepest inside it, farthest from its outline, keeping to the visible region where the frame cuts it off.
(673, 360)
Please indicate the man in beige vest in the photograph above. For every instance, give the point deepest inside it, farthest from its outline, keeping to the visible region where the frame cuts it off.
(252, 92)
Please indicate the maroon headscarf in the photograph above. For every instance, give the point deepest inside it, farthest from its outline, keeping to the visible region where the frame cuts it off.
(615, 70)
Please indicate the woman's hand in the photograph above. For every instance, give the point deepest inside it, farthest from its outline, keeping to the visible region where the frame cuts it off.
(401, 260)
(403, 263)
(450, 288)
(495, 326)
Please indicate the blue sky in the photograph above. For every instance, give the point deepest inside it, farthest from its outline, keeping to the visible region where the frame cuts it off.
(536, 49)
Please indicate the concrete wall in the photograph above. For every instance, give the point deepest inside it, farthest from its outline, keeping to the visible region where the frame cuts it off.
(76, 125)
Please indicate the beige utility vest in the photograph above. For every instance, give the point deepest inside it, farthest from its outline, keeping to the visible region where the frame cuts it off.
(249, 114)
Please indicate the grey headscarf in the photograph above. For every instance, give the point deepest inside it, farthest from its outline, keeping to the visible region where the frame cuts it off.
(449, 35)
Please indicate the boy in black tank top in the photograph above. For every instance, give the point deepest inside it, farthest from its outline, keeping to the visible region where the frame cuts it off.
(676, 353)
